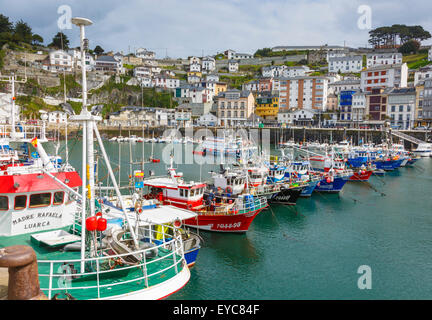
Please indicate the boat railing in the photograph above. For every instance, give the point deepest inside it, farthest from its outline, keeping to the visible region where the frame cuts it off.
(25, 131)
(102, 273)
(257, 203)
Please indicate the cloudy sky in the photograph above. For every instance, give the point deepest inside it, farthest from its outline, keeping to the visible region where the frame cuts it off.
(181, 28)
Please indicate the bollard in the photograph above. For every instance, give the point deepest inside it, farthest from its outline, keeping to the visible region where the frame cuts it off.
(23, 273)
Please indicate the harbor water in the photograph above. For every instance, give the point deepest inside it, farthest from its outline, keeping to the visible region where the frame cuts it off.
(312, 250)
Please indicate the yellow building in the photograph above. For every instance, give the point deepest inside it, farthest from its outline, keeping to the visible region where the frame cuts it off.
(194, 73)
(220, 87)
(267, 107)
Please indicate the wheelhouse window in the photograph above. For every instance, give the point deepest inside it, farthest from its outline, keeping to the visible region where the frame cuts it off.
(40, 200)
(20, 202)
(58, 198)
(4, 203)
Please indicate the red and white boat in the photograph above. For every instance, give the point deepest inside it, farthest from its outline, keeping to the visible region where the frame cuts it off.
(216, 211)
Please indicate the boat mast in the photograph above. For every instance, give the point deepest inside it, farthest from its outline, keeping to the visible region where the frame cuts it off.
(89, 126)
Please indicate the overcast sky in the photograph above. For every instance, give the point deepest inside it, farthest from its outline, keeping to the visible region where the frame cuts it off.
(192, 27)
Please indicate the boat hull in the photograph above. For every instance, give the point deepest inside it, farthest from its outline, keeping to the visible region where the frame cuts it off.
(286, 196)
(191, 256)
(388, 165)
(359, 176)
(309, 189)
(223, 223)
(331, 187)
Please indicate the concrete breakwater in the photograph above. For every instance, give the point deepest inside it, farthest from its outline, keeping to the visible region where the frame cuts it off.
(275, 135)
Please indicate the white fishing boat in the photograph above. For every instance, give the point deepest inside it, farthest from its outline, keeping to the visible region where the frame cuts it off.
(424, 150)
(93, 255)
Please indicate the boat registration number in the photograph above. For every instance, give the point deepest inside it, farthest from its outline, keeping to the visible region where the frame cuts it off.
(229, 226)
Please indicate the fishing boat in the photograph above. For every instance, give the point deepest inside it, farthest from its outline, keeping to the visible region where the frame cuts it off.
(90, 256)
(235, 182)
(216, 210)
(302, 170)
(162, 217)
(229, 146)
(423, 150)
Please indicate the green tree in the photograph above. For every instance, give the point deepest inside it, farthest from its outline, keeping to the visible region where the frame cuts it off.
(23, 32)
(37, 39)
(409, 47)
(59, 41)
(98, 50)
(5, 24)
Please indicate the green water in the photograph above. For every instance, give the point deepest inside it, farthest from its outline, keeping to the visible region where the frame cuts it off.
(313, 250)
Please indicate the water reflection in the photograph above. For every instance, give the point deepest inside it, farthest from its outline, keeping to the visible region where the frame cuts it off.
(236, 250)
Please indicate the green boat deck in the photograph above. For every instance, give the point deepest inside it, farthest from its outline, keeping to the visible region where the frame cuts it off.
(92, 285)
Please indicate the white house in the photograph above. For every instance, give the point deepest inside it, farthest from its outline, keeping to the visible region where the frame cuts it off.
(193, 78)
(163, 81)
(342, 85)
(231, 54)
(76, 59)
(208, 64)
(208, 120)
(346, 64)
(233, 66)
(183, 117)
(212, 78)
(193, 60)
(401, 107)
(108, 64)
(165, 117)
(358, 106)
(273, 71)
(141, 72)
(195, 67)
(383, 58)
(336, 53)
(57, 117)
(284, 71)
(422, 74)
(146, 82)
(384, 75)
(58, 61)
(145, 54)
(296, 116)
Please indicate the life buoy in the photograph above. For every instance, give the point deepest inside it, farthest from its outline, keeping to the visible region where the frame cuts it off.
(228, 189)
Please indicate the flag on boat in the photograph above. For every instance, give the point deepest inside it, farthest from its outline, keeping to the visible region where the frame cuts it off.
(34, 142)
(139, 174)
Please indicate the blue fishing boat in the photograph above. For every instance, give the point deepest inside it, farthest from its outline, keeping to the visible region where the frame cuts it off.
(388, 164)
(357, 159)
(334, 185)
(309, 189)
(276, 174)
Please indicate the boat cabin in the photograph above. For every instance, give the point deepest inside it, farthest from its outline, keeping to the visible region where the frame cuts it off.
(36, 202)
(176, 192)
